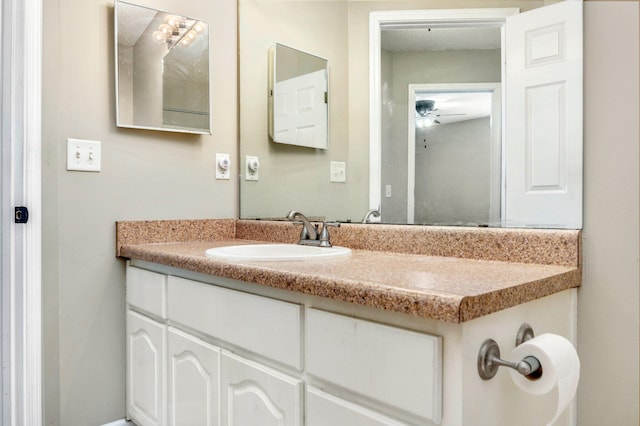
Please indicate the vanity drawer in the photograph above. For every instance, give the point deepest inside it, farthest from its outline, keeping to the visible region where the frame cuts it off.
(265, 326)
(147, 290)
(395, 366)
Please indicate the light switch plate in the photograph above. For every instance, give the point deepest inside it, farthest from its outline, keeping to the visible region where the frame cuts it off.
(83, 155)
(338, 171)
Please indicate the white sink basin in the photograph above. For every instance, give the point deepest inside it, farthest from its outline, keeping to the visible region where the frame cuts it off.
(275, 252)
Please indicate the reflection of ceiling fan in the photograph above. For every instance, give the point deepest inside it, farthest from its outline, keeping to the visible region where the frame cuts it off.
(427, 112)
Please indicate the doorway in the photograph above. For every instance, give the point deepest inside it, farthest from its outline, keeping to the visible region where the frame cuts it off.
(454, 154)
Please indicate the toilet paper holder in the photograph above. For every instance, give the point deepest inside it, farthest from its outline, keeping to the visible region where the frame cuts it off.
(489, 357)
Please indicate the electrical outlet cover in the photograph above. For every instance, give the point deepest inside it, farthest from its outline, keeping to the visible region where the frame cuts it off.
(338, 171)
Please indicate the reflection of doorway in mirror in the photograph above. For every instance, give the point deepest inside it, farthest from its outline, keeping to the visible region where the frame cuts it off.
(454, 154)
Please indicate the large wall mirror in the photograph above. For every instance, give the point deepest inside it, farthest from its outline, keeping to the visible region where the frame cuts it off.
(421, 120)
(162, 70)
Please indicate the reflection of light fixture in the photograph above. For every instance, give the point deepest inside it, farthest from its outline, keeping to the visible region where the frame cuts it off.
(177, 29)
(425, 117)
(423, 122)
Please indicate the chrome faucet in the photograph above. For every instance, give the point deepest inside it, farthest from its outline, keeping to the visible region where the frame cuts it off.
(371, 213)
(309, 235)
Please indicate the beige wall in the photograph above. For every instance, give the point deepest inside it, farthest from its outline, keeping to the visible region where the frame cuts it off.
(145, 175)
(608, 301)
(452, 174)
(293, 177)
(151, 175)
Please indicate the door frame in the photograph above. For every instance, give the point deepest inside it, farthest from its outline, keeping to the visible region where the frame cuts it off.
(21, 278)
(408, 18)
(496, 130)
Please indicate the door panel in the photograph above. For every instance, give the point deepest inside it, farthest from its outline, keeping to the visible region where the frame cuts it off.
(543, 143)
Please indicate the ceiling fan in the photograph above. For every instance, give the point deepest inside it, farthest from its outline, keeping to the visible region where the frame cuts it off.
(426, 110)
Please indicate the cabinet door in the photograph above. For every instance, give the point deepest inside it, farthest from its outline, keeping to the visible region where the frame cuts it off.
(398, 367)
(146, 349)
(193, 381)
(252, 394)
(323, 409)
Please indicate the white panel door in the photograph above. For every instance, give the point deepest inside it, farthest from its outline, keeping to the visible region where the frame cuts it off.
(300, 110)
(193, 381)
(543, 143)
(146, 349)
(252, 394)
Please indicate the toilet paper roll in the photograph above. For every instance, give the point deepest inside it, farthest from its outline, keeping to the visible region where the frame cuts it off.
(560, 368)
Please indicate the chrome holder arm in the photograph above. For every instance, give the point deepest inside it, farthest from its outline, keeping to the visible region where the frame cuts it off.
(489, 358)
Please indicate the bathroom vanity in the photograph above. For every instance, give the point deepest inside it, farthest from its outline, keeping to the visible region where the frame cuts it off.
(389, 335)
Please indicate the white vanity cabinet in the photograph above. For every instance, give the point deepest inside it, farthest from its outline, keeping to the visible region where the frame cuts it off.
(206, 350)
(204, 354)
(176, 376)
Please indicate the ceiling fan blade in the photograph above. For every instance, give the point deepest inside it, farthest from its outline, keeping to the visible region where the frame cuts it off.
(442, 115)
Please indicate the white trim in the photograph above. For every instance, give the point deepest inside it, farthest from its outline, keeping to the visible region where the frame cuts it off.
(32, 397)
(495, 165)
(21, 185)
(400, 19)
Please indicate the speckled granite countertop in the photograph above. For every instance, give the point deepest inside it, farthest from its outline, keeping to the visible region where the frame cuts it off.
(448, 274)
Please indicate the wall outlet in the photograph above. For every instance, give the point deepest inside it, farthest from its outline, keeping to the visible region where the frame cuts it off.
(387, 191)
(83, 155)
(338, 171)
(223, 166)
(252, 166)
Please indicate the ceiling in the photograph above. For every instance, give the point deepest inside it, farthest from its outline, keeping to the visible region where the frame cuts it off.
(422, 39)
(470, 105)
(133, 20)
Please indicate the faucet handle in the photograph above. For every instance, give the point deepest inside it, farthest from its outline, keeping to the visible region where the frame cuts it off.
(304, 233)
(325, 238)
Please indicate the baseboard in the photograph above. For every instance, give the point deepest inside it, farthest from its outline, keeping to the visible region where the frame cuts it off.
(121, 422)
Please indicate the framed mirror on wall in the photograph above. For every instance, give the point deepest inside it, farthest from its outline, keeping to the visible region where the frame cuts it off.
(162, 70)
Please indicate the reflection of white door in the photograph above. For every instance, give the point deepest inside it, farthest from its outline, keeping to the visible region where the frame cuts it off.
(544, 117)
(300, 110)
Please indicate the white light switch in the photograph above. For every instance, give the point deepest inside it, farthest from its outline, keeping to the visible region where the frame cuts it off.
(338, 171)
(223, 166)
(83, 155)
